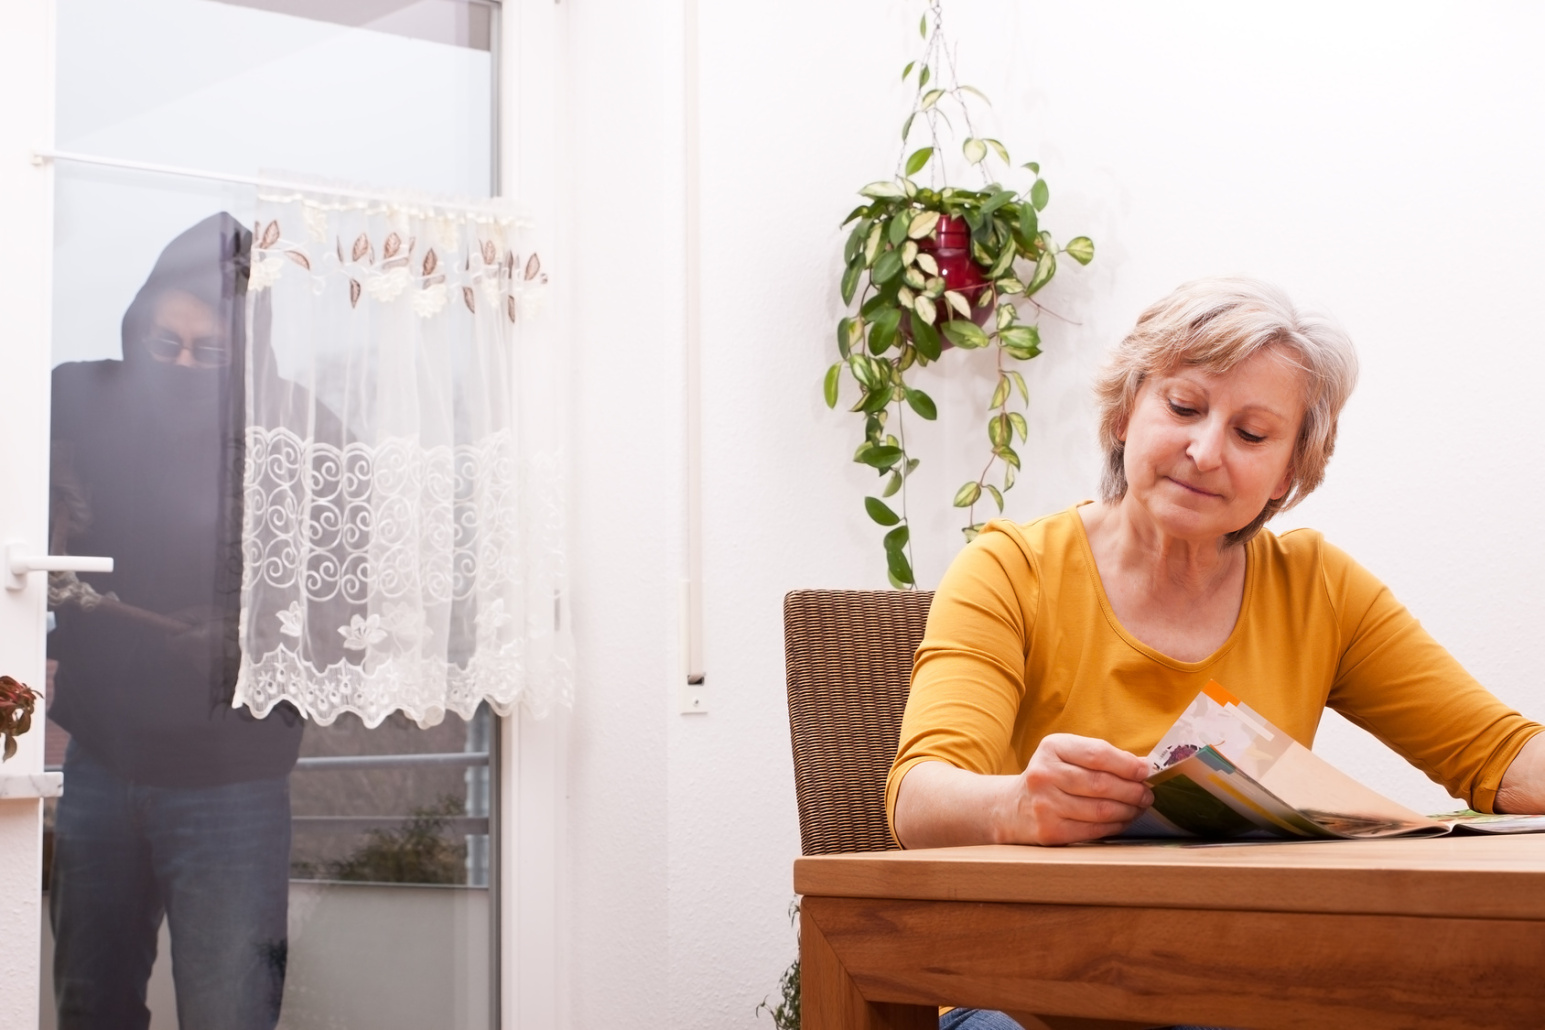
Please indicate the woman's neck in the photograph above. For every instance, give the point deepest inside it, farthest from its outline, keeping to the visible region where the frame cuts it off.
(1126, 541)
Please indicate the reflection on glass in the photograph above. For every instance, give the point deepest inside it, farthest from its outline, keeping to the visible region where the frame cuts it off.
(177, 804)
(348, 888)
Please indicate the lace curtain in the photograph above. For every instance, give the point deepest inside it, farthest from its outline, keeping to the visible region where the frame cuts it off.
(402, 512)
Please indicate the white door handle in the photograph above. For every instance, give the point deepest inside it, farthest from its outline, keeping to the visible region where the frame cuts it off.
(18, 563)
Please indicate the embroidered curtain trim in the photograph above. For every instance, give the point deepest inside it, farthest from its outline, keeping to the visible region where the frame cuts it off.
(403, 531)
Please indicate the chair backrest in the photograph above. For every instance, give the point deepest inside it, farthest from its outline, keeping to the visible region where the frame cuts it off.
(848, 659)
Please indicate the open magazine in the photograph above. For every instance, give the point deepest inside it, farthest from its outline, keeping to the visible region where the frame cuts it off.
(1225, 773)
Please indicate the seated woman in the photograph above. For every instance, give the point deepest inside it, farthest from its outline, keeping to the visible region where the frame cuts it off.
(1059, 651)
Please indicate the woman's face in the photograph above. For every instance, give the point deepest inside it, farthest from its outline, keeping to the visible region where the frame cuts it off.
(1205, 452)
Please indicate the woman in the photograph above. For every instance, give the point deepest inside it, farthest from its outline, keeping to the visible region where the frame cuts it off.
(1059, 651)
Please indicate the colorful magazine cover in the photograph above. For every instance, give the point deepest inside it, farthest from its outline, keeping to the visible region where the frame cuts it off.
(1224, 772)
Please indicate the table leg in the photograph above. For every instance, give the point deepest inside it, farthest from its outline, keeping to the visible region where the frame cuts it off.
(830, 1000)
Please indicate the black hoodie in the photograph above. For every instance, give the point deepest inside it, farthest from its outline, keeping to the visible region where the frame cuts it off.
(152, 454)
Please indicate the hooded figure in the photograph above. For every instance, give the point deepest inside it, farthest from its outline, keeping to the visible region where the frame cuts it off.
(185, 797)
(150, 447)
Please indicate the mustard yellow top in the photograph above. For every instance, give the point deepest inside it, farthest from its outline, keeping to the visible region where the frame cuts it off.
(1022, 642)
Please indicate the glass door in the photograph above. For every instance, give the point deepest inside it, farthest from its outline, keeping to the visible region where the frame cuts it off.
(205, 868)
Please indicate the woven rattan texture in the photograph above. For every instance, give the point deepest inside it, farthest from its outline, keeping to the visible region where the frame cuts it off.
(848, 659)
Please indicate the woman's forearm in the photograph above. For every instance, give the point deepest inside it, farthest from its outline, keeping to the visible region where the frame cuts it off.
(1075, 788)
(940, 806)
(1522, 791)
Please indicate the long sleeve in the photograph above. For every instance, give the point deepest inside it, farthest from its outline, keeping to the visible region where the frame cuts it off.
(1401, 685)
(968, 678)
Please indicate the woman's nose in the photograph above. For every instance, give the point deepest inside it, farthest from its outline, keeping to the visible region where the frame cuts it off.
(185, 357)
(1206, 448)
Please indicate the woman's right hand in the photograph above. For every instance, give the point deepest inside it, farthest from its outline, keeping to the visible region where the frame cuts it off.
(1074, 788)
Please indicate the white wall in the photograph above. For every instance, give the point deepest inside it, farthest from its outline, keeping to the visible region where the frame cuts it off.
(1376, 161)
(25, 200)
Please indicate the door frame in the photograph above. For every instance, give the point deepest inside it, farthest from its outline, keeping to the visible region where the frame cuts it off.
(26, 293)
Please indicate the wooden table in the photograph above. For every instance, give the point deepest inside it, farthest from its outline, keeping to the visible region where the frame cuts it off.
(1412, 933)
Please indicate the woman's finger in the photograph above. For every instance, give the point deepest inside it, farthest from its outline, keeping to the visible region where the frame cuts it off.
(1090, 783)
(1092, 753)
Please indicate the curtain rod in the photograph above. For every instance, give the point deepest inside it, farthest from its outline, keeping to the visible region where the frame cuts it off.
(40, 156)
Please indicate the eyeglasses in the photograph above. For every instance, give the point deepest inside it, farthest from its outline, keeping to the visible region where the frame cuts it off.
(208, 351)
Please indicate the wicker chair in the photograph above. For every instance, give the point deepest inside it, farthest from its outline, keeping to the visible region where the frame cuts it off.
(848, 659)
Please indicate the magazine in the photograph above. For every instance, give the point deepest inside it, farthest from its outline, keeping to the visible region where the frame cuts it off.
(1223, 772)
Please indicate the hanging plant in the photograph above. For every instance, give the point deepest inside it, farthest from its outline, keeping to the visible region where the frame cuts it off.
(932, 267)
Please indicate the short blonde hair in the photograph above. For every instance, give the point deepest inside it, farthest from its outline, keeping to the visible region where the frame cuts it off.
(1214, 324)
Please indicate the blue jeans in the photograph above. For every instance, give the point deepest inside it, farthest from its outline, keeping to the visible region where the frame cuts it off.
(983, 1019)
(213, 860)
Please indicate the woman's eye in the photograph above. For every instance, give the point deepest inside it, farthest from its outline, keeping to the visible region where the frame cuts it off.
(1249, 437)
(1181, 409)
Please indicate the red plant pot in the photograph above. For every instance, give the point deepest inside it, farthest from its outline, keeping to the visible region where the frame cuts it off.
(950, 245)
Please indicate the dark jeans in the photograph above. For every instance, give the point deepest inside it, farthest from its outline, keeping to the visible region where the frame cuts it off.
(213, 860)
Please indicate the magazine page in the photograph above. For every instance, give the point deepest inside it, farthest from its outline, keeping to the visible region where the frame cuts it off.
(1206, 795)
(1335, 800)
(1223, 771)
(1470, 821)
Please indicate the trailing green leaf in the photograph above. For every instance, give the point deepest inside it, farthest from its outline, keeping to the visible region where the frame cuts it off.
(1029, 225)
(882, 189)
(922, 224)
(975, 150)
(887, 265)
(965, 334)
(924, 336)
(967, 495)
(1045, 268)
(997, 496)
(855, 241)
(833, 378)
(998, 430)
(880, 457)
(880, 511)
(1080, 249)
(921, 403)
(1000, 393)
(850, 276)
(1021, 338)
(1040, 194)
(925, 310)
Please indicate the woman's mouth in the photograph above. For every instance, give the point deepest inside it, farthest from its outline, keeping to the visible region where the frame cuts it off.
(1198, 491)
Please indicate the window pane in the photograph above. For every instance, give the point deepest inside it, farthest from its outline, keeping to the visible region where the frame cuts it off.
(381, 837)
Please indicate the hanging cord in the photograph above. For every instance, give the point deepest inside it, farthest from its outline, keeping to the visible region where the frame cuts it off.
(939, 59)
